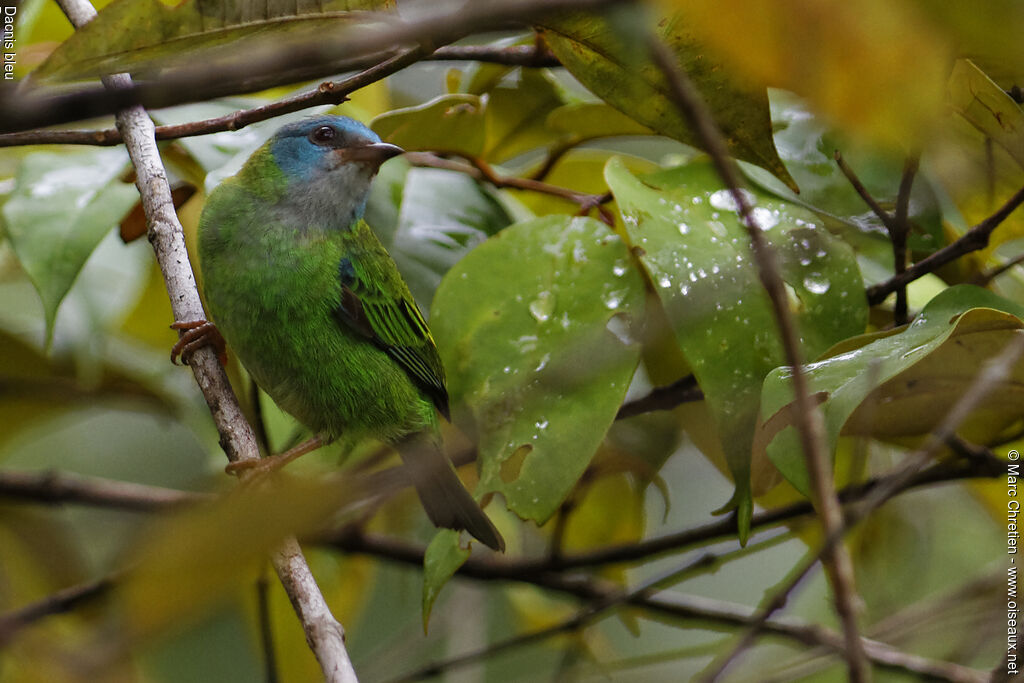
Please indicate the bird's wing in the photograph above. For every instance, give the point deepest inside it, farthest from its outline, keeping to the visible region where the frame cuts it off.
(378, 306)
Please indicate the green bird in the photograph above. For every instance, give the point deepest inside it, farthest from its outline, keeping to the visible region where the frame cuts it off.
(304, 293)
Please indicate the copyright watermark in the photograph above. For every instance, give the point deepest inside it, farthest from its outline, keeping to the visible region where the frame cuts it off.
(1012, 537)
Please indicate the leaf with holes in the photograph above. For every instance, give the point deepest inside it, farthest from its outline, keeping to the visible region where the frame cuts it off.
(537, 328)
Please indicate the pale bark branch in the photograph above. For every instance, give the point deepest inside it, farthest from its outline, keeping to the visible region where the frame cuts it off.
(324, 634)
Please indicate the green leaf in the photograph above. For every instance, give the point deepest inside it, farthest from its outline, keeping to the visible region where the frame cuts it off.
(612, 63)
(62, 206)
(443, 215)
(453, 123)
(537, 329)
(902, 383)
(144, 35)
(516, 115)
(807, 144)
(443, 558)
(697, 255)
(987, 107)
(590, 120)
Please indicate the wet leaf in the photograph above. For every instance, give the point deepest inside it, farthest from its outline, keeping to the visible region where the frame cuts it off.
(145, 35)
(697, 255)
(537, 331)
(902, 383)
(807, 144)
(612, 63)
(62, 206)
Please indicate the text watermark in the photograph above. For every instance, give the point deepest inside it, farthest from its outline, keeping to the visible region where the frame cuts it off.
(1012, 538)
(10, 57)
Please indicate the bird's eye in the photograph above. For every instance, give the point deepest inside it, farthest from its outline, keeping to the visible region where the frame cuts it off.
(323, 135)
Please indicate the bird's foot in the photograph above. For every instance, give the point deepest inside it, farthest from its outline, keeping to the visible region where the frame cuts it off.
(265, 466)
(196, 334)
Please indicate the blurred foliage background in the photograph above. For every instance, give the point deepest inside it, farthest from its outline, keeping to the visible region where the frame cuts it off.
(585, 273)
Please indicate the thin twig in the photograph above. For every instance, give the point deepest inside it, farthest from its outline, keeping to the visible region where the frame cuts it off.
(981, 463)
(328, 92)
(702, 564)
(694, 608)
(482, 171)
(974, 239)
(681, 391)
(982, 279)
(265, 619)
(897, 225)
(899, 234)
(862, 191)
(774, 601)
(809, 422)
(61, 602)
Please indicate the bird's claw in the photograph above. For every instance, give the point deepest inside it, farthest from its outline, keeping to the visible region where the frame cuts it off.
(261, 467)
(196, 334)
(272, 463)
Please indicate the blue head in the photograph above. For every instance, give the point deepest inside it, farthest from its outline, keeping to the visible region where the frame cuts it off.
(329, 162)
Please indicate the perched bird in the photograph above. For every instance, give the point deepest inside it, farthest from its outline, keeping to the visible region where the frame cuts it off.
(310, 301)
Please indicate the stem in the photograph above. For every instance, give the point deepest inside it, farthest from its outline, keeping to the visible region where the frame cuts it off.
(808, 418)
(323, 633)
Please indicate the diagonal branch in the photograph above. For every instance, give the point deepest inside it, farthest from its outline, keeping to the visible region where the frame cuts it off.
(277, 64)
(328, 92)
(323, 633)
(809, 422)
(695, 608)
(974, 239)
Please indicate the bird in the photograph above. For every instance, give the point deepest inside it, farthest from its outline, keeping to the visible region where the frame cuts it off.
(304, 293)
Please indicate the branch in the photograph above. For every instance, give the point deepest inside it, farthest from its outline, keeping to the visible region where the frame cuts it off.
(57, 603)
(64, 487)
(328, 92)
(809, 422)
(899, 234)
(323, 633)
(354, 540)
(974, 239)
(690, 607)
(482, 171)
(977, 462)
(701, 565)
(681, 391)
(276, 64)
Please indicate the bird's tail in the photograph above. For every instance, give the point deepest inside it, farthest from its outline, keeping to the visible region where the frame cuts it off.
(447, 502)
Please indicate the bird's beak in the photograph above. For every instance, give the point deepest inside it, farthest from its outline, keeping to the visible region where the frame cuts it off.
(376, 153)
